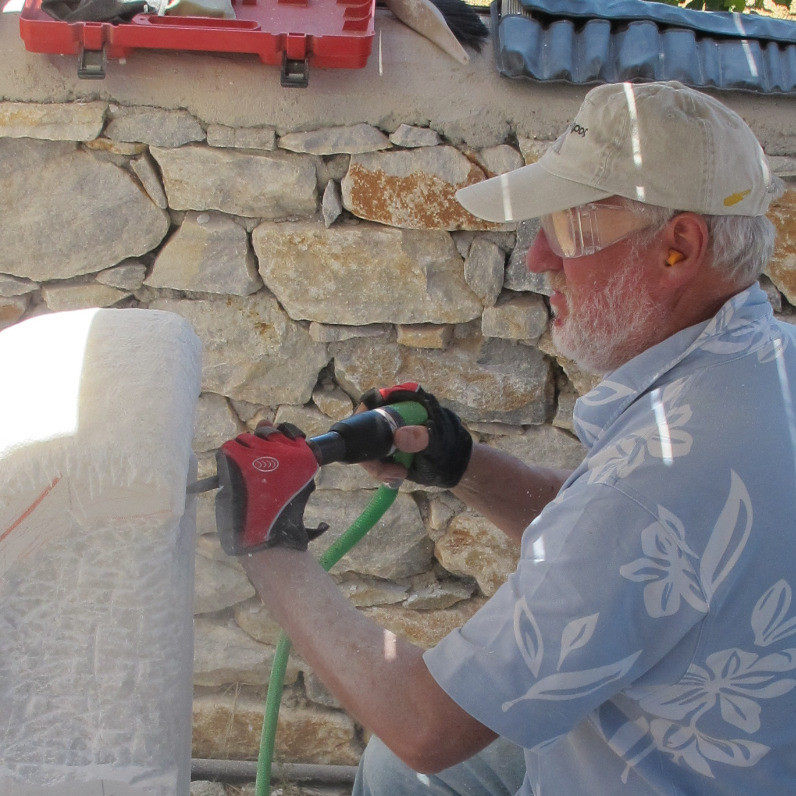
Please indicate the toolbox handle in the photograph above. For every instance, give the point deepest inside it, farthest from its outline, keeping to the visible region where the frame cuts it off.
(216, 23)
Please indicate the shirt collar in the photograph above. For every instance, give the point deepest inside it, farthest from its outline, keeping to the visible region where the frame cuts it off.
(601, 406)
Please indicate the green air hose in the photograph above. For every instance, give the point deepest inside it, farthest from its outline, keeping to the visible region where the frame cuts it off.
(412, 414)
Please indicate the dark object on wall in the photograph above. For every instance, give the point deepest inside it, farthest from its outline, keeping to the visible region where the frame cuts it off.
(94, 10)
(464, 22)
(609, 41)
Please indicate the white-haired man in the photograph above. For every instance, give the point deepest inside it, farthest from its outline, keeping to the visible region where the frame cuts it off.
(646, 643)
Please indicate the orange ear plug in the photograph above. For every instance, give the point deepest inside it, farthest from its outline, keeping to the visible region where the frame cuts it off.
(674, 257)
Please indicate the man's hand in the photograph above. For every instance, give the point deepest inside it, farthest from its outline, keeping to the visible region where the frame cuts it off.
(265, 479)
(442, 447)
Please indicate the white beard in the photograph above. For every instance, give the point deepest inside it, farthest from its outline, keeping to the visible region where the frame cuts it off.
(610, 327)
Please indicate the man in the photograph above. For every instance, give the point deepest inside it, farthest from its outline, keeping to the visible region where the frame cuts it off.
(646, 642)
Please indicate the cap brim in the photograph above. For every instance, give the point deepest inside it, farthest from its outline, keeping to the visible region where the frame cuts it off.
(527, 192)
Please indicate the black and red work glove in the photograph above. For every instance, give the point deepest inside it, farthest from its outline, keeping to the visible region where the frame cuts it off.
(447, 455)
(265, 481)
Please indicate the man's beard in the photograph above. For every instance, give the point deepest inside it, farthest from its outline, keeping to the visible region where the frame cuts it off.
(608, 328)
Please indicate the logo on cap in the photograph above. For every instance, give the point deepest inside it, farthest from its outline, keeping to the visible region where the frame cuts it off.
(734, 198)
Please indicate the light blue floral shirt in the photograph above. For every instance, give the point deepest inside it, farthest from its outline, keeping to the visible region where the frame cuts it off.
(646, 642)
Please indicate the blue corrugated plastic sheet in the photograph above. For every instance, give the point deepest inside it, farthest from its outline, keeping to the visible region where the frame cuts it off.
(608, 41)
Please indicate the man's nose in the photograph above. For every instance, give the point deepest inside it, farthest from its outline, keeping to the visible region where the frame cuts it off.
(541, 257)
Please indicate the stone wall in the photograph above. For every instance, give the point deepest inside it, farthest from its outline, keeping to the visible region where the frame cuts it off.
(314, 260)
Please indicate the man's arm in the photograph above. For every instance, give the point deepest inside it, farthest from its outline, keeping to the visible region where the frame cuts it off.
(379, 678)
(504, 490)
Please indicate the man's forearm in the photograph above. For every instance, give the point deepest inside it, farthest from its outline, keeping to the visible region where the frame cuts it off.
(505, 491)
(379, 678)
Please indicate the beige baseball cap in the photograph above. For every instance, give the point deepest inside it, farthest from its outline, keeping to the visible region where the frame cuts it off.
(659, 143)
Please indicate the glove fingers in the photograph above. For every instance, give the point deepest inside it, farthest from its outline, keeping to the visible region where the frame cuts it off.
(447, 455)
(291, 431)
(265, 429)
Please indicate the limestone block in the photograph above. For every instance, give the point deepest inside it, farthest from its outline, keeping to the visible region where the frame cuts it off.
(11, 286)
(487, 380)
(484, 270)
(500, 159)
(55, 121)
(412, 188)
(219, 586)
(396, 547)
(153, 126)
(782, 268)
(423, 628)
(12, 309)
(308, 418)
(215, 423)
(442, 508)
(362, 591)
(229, 726)
(411, 137)
(144, 169)
(543, 445)
(224, 654)
(251, 350)
(516, 317)
(531, 149)
(252, 617)
(472, 546)
(128, 275)
(96, 563)
(353, 139)
(221, 135)
(565, 408)
(518, 277)
(332, 401)
(344, 477)
(334, 333)
(209, 253)
(65, 213)
(78, 296)
(252, 184)
(331, 204)
(425, 335)
(440, 594)
(371, 274)
(317, 693)
(120, 151)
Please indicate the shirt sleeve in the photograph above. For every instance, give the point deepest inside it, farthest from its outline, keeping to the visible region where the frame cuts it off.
(602, 592)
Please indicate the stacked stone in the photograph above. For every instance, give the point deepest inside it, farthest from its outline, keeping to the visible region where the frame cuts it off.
(313, 266)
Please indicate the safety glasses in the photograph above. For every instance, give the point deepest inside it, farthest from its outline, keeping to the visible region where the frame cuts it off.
(589, 228)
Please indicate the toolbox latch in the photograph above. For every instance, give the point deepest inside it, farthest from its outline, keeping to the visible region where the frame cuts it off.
(295, 72)
(91, 64)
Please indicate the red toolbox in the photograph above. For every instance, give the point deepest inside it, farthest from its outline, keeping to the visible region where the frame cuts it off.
(293, 33)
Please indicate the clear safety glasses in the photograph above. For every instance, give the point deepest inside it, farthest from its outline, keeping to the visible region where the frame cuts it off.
(589, 228)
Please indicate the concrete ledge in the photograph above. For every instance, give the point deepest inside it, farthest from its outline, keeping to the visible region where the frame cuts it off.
(407, 79)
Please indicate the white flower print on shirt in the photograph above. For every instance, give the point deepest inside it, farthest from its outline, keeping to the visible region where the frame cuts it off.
(732, 681)
(689, 746)
(561, 685)
(673, 571)
(770, 620)
(663, 438)
(669, 568)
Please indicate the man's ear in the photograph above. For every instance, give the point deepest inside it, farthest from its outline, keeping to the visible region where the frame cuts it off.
(684, 247)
